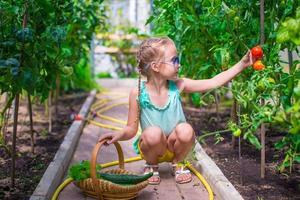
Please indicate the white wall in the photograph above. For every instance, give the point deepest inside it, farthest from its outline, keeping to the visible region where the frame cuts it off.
(126, 12)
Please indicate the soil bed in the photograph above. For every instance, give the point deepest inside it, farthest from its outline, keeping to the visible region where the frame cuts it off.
(31, 167)
(250, 186)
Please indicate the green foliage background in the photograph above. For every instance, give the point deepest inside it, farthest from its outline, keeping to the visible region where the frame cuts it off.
(212, 35)
(53, 45)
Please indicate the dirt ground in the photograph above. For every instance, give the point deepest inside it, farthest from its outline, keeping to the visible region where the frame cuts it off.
(245, 175)
(31, 167)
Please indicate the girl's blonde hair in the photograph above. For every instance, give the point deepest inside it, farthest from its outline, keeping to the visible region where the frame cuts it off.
(150, 50)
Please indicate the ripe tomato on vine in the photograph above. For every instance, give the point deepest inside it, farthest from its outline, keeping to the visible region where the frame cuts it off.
(257, 52)
(258, 65)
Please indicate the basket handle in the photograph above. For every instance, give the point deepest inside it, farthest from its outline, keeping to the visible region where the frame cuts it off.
(94, 162)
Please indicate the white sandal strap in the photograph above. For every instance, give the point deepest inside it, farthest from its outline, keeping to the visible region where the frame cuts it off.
(155, 173)
(147, 165)
(183, 171)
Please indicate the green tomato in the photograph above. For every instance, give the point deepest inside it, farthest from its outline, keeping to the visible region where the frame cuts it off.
(282, 36)
(231, 13)
(67, 70)
(261, 86)
(225, 58)
(271, 80)
(236, 20)
(237, 132)
(292, 25)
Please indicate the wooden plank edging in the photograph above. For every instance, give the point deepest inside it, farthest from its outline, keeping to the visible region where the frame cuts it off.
(220, 185)
(54, 174)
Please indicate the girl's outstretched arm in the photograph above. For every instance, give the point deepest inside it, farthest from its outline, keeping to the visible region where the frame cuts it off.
(190, 85)
(130, 130)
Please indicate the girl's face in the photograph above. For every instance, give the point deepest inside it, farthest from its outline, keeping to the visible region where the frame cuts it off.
(168, 65)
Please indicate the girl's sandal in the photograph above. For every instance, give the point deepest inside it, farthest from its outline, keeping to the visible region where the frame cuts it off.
(155, 179)
(181, 175)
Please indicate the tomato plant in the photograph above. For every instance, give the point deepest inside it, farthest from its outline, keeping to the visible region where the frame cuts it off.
(55, 40)
(43, 41)
(289, 29)
(211, 34)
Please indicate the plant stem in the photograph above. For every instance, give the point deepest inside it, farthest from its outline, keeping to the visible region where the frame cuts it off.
(14, 136)
(212, 133)
(262, 129)
(31, 124)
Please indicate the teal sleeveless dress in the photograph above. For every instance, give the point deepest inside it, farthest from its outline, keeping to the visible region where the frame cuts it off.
(166, 117)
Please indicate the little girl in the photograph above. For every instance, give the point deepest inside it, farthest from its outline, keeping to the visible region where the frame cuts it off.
(156, 104)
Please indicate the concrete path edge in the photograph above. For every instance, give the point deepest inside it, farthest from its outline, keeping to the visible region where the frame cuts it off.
(56, 170)
(220, 185)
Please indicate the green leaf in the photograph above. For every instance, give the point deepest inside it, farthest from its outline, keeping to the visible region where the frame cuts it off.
(81, 171)
(150, 19)
(25, 35)
(3, 64)
(12, 62)
(295, 130)
(67, 52)
(279, 145)
(14, 71)
(253, 140)
(46, 5)
(288, 7)
(196, 98)
(297, 158)
(7, 43)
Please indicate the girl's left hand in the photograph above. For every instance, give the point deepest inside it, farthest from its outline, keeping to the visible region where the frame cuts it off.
(248, 59)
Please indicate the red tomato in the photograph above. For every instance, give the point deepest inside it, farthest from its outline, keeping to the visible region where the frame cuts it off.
(257, 52)
(258, 65)
(77, 118)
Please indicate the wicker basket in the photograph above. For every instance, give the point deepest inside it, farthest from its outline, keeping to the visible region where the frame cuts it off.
(106, 190)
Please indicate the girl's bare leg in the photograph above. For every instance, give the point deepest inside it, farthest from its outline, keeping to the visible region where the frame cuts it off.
(153, 144)
(180, 141)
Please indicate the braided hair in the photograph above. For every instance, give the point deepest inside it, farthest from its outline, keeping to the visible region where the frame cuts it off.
(149, 51)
